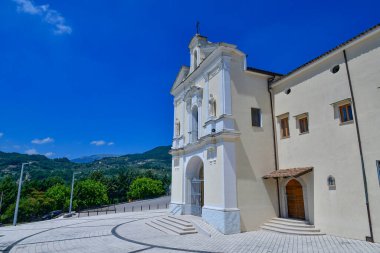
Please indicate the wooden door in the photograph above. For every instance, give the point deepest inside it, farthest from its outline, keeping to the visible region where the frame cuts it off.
(294, 196)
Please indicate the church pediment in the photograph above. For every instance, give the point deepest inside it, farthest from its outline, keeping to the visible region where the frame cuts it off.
(182, 74)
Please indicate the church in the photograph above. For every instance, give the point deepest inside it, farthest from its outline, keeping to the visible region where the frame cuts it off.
(251, 145)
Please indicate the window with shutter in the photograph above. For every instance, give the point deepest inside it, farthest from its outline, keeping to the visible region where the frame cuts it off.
(285, 127)
(304, 125)
(345, 113)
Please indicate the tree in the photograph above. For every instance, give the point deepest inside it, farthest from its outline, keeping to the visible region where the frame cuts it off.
(142, 188)
(8, 187)
(60, 194)
(30, 208)
(90, 193)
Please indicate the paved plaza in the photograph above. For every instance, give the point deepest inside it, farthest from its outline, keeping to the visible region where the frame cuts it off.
(127, 232)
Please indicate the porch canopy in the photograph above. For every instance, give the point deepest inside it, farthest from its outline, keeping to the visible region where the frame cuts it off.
(292, 172)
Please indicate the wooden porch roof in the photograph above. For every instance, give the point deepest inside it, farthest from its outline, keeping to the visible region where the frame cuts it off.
(292, 172)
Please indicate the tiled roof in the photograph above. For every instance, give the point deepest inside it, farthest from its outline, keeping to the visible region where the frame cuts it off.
(329, 52)
(292, 172)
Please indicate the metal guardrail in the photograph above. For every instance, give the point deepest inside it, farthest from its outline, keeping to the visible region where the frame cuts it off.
(130, 208)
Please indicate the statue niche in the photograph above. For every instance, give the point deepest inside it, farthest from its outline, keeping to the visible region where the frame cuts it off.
(212, 106)
(177, 128)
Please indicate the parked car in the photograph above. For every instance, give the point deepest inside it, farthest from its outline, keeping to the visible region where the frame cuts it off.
(52, 214)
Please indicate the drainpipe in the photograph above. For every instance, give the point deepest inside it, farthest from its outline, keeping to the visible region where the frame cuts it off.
(269, 81)
(370, 239)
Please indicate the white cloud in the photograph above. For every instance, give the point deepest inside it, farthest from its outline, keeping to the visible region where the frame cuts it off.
(49, 154)
(43, 141)
(102, 143)
(1, 135)
(31, 151)
(98, 143)
(50, 16)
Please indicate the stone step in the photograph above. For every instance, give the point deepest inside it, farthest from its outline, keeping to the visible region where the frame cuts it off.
(292, 228)
(174, 229)
(288, 231)
(160, 228)
(178, 221)
(175, 225)
(292, 224)
(291, 221)
(170, 226)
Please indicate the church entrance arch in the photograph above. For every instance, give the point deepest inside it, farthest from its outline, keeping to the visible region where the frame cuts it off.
(195, 188)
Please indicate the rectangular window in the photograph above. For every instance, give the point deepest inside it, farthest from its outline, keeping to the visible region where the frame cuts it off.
(256, 117)
(345, 112)
(285, 127)
(304, 125)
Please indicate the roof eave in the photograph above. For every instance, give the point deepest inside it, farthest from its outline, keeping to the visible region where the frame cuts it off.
(347, 44)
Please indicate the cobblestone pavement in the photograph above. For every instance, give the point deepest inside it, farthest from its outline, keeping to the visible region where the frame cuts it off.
(127, 232)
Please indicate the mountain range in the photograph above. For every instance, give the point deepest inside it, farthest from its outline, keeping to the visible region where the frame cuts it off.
(91, 158)
(155, 159)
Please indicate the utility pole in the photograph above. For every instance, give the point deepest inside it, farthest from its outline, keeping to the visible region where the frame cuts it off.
(72, 192)
(19, 193)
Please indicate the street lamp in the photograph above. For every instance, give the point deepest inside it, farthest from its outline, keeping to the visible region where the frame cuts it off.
(72, 191)
(19, 193)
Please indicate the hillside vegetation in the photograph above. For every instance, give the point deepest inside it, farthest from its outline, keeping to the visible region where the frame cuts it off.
(110, 180)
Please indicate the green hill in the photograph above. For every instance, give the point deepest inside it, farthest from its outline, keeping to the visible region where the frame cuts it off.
(156, 159)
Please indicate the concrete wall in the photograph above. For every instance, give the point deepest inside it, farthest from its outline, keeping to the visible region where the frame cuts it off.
(331, 147)
(257, 198)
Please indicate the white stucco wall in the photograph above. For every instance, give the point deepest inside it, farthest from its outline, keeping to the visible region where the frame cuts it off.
(330, 147)
(257, 198)
(364, 66)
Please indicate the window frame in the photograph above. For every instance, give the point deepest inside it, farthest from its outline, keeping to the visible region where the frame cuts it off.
(282, 128)
(303, 122)
(345, 109)
(260, 117)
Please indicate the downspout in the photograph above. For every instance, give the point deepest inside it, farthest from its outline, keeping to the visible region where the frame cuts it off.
(269, 81)
(370, 239)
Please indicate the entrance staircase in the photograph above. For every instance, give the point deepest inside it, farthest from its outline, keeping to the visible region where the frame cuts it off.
(176, 210)
(172, 225)
(291, 226)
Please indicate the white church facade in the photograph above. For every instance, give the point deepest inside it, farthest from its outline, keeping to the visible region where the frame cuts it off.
(250, 145)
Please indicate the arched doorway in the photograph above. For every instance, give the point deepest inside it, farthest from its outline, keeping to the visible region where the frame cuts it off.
(195, 185)
(294, 197)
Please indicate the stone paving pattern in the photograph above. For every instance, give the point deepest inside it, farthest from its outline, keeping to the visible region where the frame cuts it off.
(127, 232)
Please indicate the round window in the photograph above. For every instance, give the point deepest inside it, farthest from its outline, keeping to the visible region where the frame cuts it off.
(335, 69)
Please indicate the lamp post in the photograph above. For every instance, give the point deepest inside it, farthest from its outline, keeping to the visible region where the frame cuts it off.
(19, 192)
(72, 191)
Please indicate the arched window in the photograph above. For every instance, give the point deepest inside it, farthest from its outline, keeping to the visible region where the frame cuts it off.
(331, 183)
(212, 106)
(195, 59)
(194, 125)
(177, 128)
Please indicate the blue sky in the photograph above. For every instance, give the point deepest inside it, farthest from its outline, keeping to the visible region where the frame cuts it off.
(90, 77)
